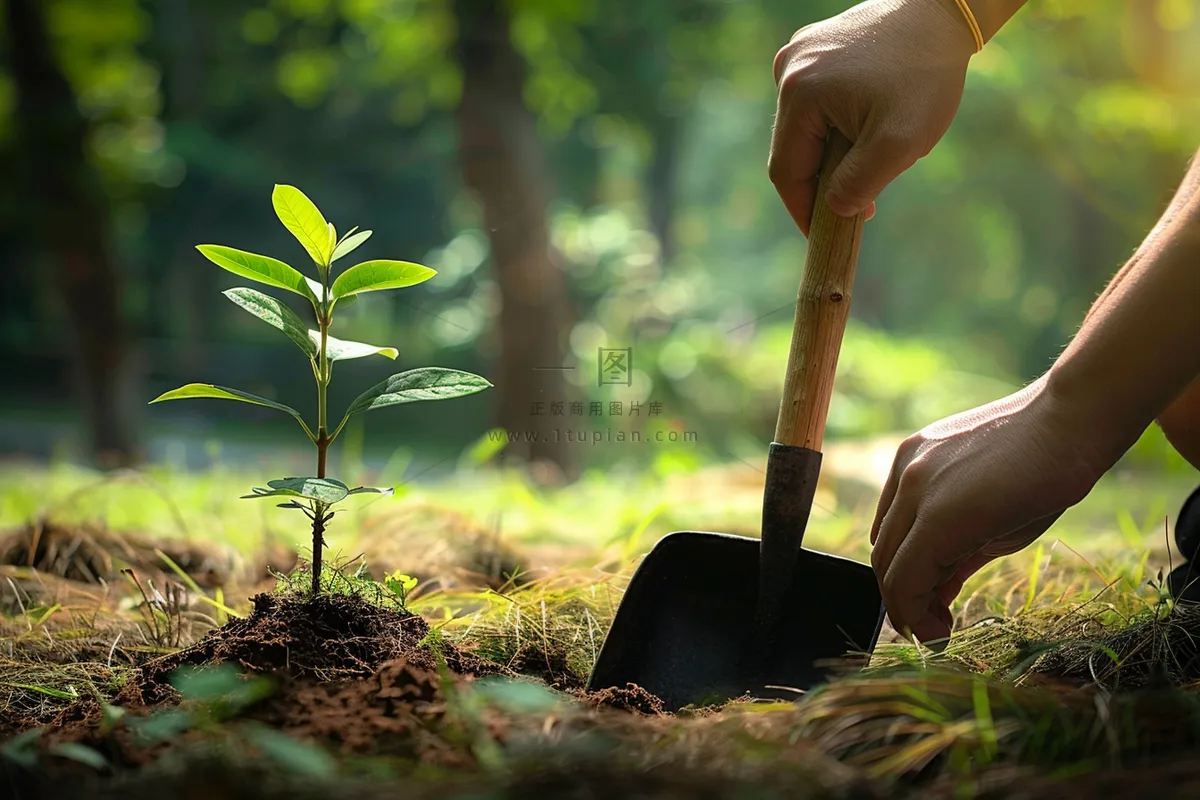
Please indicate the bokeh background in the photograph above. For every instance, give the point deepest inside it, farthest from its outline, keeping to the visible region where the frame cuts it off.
(582, 174)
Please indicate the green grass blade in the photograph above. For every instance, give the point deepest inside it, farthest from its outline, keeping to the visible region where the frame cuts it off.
(194, 587)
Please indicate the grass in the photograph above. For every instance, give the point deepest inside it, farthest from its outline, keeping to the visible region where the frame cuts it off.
(1037, 681)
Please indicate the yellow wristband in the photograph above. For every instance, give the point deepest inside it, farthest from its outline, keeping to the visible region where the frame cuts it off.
(975, 31)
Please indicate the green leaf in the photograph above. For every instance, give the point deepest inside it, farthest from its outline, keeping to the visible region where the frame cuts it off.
(79, 753)
(486, 446)
(325, 490)
(405, 582)
(340, 349)
(22, 749)
(373, 276)
(291, 755)
(276, 314)
(200, 390)
(222, 687)
(386, 491)
(518, 695)
(258, 491)
(305, 221)
(426, 383)
(63, 694)
(349, 244)
(162, 725)
(399, 583)
(110, 715)
(257, 268)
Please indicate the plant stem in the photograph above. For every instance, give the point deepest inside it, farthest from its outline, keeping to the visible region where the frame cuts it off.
(318, 544)
(322, 444)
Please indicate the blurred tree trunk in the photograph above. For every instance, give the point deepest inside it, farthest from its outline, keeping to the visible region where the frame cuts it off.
(504, 164)
(663, 180)
(68, 220)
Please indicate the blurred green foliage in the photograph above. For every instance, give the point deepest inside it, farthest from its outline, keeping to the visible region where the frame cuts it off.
(1075, 127)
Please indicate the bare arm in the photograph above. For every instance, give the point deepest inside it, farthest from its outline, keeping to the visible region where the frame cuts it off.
(987, 482)
(1180, 422)
(1139, 347)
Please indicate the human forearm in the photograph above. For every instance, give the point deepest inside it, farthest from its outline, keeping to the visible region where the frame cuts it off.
(1180, 421)
(1139, 346)
(1187, 190)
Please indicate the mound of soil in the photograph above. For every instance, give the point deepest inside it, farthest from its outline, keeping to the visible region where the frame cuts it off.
(326, 637)
(355, 677)
(393, 712)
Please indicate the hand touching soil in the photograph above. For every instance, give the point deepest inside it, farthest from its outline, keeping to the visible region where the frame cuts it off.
(972, 488)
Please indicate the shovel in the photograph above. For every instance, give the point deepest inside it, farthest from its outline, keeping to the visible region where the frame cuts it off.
(709, 617)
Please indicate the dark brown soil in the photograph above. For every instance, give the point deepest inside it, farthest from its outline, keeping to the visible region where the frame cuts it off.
(325, 636)
(629, 697)
(355, 677)
(396, 711)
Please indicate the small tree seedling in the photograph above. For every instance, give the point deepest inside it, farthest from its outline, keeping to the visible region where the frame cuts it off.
(316, 496)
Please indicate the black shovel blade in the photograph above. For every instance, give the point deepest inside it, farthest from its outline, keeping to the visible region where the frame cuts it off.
(685, 628)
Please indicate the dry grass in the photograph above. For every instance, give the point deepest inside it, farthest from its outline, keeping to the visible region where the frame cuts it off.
(1064, 657)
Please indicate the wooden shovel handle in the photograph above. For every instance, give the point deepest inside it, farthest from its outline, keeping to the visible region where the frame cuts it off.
(822, 307)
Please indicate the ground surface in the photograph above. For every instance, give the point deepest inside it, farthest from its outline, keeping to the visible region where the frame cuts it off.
(155, 643)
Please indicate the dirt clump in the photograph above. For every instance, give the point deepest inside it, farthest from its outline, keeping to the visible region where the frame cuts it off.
(630, 697)
(325, 638)
(396, 711)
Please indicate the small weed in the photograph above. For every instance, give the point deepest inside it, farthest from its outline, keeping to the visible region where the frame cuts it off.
(338, 579)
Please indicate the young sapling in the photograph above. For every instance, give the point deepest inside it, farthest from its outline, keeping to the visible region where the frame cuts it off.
(316, 496)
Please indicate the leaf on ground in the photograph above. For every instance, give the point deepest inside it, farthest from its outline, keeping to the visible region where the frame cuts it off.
(162, 725)
(79, 753)
(291, 755)
(22, 749)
